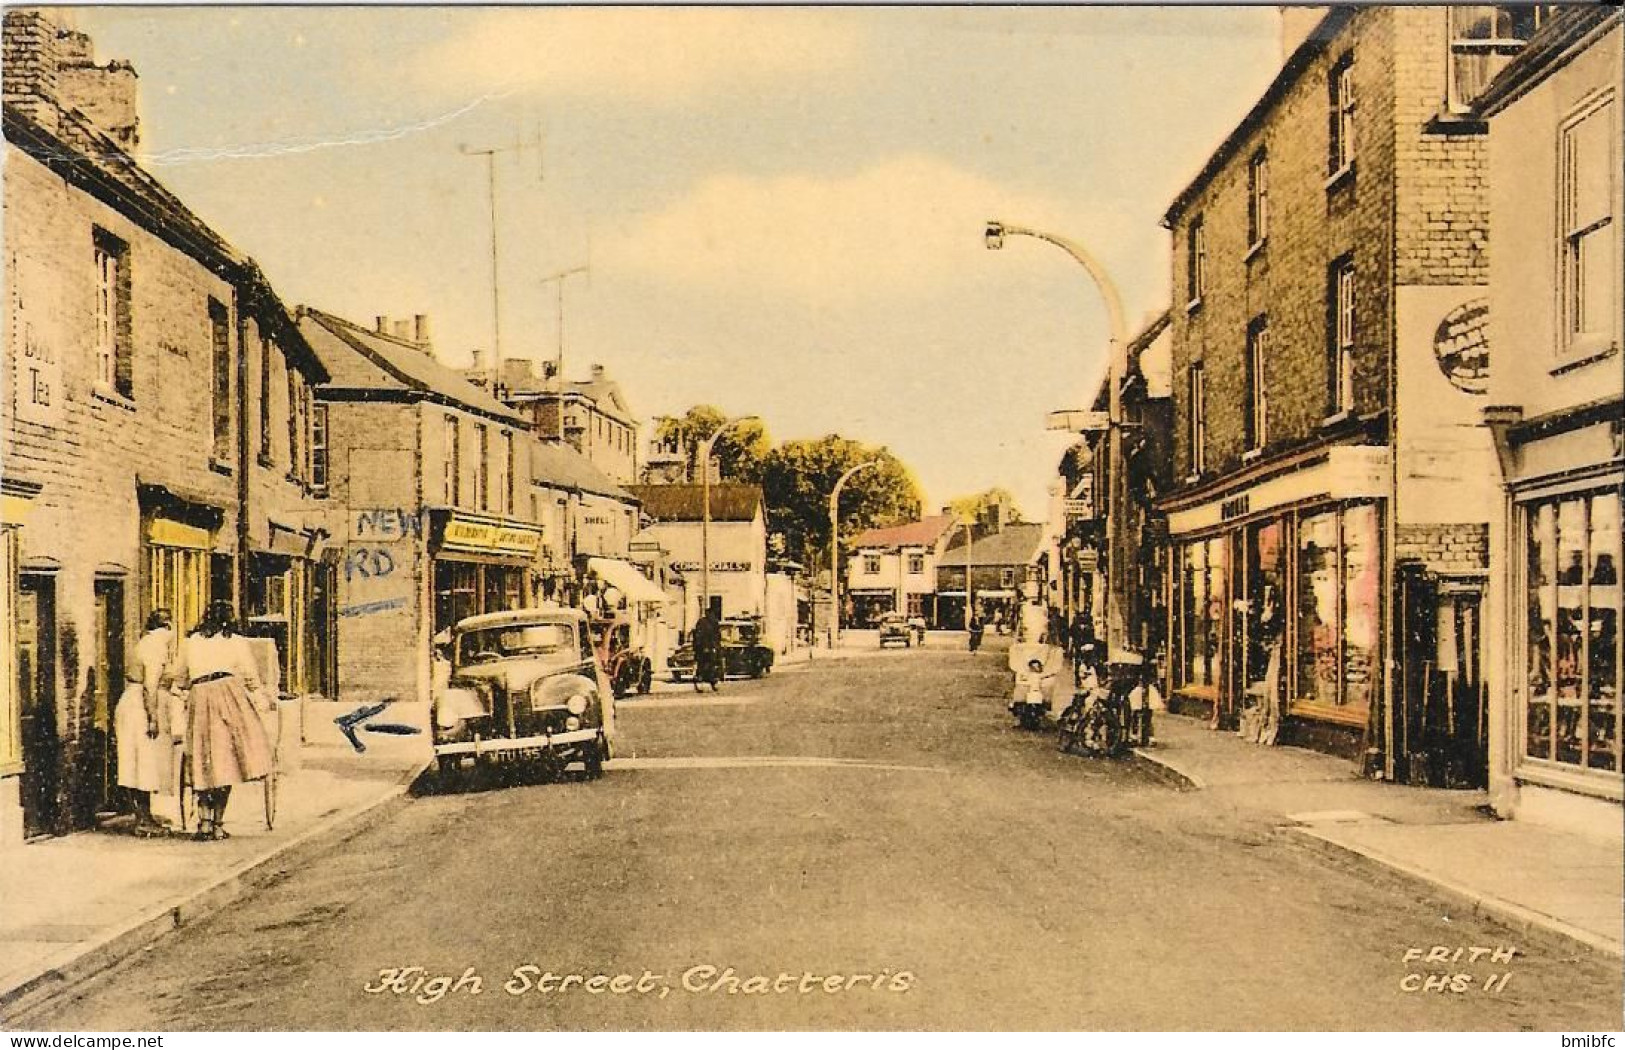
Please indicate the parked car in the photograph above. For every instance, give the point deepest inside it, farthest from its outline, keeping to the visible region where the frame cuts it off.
(627, 667)
(894, 629)
(525, 686)
(743, 654)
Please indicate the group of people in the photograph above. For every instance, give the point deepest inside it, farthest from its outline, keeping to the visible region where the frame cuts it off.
(195, 694)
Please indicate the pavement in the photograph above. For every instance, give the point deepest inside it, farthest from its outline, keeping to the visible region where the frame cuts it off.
(79, 904)
(1537, 880)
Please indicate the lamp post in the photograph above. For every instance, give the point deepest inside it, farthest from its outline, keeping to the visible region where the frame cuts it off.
(835, 546)
(1116, 371)
(970, 573)
(705, 508)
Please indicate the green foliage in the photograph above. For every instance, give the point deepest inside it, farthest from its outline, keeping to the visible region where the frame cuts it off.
(798, 476)
(739, 452)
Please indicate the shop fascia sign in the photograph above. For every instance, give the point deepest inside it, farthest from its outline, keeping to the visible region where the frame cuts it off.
(1348, 472)
(716, 566)
(485, 537)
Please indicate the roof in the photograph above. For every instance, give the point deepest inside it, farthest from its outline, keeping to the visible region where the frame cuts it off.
(365, 362)
(606, 396)
(923, 533)
(1316, 42)
(1014, 545)
(730, 501)
(1569, 29)
(538, 614)
(558, 465)
(91, 161)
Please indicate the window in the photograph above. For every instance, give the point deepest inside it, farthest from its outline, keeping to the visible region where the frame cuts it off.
(1201, 613)
(1572, 647)
(1482, 41)
(504, 469)
(1258, 199)
(1007, 577)
(871, 565)
(1340, 115)
(1340, 333)
(1196, 259)
(916, 564)
(113, 340)
(482, 466)
(453, 440)
(1339, 608)
(1589, 257)
(1258, 341)
(1198, 418)
(298, 420)
(265, 399)
(220, 342)
(318, 447)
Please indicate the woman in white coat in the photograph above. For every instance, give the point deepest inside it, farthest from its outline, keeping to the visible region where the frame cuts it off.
(142, 724)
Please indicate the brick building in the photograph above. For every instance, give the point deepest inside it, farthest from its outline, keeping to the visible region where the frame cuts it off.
(156, 420)
(1556, 410)
(1332, 488)
(427, 494)
(998, 560)
(591, 415)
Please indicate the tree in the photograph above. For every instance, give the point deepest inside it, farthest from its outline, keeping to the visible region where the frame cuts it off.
(798, 476)
(974, 507)
(739, 452)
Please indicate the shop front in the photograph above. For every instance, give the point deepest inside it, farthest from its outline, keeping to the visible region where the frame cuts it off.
(14, 501)
(480, 565)
(1277, 603)
(285, 602)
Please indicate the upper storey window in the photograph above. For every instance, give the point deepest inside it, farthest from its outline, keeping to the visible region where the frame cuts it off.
(1483, 39)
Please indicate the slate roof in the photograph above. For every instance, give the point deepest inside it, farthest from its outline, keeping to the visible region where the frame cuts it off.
(364, 363)
(558, 465)
(730, 501)
(923, 533)
(1016, 545)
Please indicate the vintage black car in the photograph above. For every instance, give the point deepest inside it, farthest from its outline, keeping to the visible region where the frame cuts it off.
(743, 654)
(894, 630)
(525, 685)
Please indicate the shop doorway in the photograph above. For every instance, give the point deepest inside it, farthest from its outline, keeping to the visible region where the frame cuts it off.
(1441, 724)
(36, 690)
(98, 753)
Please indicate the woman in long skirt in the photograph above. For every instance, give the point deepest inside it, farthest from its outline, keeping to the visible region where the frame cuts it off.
(225, 739)
(141, 723)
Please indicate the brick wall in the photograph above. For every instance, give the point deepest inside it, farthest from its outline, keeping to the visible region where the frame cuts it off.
(1461, 548)
(30, 64)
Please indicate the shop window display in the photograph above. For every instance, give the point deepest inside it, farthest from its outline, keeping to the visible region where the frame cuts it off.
(1572, 645)
(1202, 604)
(1319, 581)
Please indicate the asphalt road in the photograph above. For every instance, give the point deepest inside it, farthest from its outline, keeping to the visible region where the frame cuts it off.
(865, 843)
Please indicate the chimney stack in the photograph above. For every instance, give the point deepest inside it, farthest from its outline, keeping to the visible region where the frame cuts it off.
(479, 361)
(381, 324)
(420, 329)
(403, 330)
(31, 64)
(598, 371)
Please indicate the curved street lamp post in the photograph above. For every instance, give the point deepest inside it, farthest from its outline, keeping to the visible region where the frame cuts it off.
(835, 547)
(1116, 371)
(705, 507)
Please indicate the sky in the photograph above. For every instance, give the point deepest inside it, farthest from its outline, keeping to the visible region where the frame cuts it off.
(779, 210)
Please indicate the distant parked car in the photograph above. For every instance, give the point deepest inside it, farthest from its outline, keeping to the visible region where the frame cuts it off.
(894, 629)
(525, 685)
(743, 654)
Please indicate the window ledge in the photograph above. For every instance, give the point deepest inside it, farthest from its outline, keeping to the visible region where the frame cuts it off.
(1252, 455)
(1256, 249)
(108, 395)
(1340, 176)
(219, 467)
(1194, 305)
(1337, 419)
(1192, 479)
(1582, 353)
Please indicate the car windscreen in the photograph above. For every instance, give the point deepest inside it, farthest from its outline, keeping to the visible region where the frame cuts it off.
(553, 642)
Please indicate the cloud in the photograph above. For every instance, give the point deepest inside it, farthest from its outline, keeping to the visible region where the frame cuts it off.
(645, 54)
(907, 226)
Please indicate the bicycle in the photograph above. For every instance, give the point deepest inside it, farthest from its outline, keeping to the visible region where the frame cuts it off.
(1094, 723)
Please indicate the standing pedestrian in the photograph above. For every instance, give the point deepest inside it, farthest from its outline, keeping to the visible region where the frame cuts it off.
(225, 739)
(142, 726)
(707, 641)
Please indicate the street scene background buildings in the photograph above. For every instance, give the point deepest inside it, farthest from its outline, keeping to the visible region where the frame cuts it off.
(1352, 484)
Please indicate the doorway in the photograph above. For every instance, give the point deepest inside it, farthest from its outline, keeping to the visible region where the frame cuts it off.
(36, 690)
(98, 755)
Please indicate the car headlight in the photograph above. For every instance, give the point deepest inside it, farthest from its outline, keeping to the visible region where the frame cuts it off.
(576, 705)
(572, 723)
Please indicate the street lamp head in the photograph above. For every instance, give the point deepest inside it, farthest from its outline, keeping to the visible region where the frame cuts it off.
(994, 235)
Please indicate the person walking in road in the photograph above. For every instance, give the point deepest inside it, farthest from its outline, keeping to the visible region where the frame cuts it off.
(225, 739)
(707, 641)
(142, 725)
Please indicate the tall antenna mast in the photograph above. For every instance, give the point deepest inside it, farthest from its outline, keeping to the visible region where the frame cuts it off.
(490, 154)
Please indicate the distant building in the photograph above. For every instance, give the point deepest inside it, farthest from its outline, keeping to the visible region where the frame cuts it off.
(895, 569)
(157, 427)
(1001, 560)
(737, 541)
(1555, 407)
(592, 415)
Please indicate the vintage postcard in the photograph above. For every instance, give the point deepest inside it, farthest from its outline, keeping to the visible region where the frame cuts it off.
(827, 518)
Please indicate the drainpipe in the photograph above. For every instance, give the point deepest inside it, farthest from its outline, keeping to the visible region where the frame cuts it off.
(240, 597)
